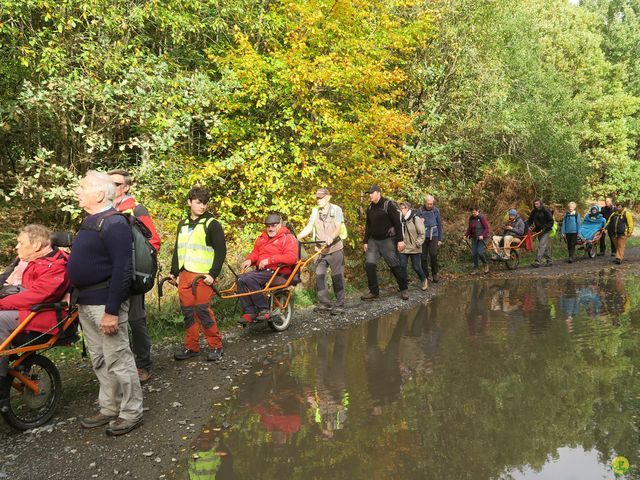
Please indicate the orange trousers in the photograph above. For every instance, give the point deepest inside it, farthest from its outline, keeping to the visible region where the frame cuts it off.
(197, 313)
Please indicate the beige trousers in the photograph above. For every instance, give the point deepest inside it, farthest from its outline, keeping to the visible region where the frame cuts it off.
(113, 363)
(507, 243)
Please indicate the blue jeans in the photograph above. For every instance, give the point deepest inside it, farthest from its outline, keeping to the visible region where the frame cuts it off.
(416, 263)
(477, 252)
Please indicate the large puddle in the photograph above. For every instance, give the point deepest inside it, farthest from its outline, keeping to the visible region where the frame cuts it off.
(516, 379)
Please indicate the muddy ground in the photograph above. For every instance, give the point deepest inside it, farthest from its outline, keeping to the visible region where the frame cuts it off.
(181, 397)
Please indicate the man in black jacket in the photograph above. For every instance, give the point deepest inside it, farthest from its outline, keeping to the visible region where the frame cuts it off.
(606, 211)
(383, 238)
(541, 220)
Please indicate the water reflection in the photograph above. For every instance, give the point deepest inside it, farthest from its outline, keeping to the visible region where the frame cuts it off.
(507, 379)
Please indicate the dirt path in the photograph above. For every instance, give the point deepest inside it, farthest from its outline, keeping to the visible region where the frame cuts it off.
(181, 397)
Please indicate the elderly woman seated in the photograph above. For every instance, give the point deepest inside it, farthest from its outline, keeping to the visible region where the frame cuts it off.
(38, 275)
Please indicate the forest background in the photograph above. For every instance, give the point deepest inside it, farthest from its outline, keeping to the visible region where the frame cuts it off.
(263, 101)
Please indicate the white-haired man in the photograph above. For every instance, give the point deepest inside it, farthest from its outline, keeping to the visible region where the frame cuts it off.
(100, 269)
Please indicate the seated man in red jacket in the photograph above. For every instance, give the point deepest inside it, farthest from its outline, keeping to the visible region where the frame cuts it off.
(38, 275)
(275, 247)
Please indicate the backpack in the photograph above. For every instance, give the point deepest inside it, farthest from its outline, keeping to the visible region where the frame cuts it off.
(385, 206)
(145, 256)
(332, 213)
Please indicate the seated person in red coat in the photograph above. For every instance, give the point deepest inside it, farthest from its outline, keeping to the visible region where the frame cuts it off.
(275, 247)
(38, 275)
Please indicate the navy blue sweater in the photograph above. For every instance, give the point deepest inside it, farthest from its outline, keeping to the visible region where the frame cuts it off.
(100, 257)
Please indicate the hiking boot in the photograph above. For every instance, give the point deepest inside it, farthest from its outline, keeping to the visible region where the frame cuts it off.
(185, 354)
(370, 296)
(435, 278)
(215, 355)
(120, 426)
(486, 268)
(535, 264)
(618, 261)
(404, 294)
(549, 264)
(569, 260)
(144, 375)
(322, 308)
(425, 285)
(97, 420)
(247, 318)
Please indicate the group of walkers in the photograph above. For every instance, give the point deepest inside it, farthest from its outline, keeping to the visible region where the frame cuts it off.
(614, 221)
(100, 274)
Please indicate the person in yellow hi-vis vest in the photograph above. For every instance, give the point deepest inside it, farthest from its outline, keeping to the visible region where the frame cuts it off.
(620, 227)
(200, 249)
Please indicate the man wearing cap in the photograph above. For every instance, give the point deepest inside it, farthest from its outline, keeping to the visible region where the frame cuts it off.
(275, 247)
(200, 250)
(383, 238)
(326, 223)
(512, 230)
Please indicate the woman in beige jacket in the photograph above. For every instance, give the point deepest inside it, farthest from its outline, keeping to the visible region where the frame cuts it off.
(414, 234)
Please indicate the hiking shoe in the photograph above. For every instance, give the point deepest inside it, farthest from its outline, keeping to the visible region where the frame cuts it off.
(263, 315)
(618, 261)
(486, 268)
(425, 285)
(435, 278)
(370, 296)
(404, 294)
(247, 318)
(120, 426)
(338, 310)
(185, 354)
(144, 375)
(322, 308)
(215, 355)
(548, 264)
(535, 264)
(97, 420)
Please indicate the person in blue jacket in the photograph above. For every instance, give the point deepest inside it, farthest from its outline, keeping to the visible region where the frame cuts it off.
(570, 229)
(433, 236)
(591, 223)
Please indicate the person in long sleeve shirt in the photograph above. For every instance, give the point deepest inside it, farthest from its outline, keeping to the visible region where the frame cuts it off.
(383, 237)
(200, 250)
(478, 232)
(434, 236)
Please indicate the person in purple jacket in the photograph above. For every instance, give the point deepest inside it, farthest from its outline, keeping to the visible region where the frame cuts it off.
(100, 269)
(478, 232)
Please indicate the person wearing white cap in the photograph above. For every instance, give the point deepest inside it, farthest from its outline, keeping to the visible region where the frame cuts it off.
(326, 224)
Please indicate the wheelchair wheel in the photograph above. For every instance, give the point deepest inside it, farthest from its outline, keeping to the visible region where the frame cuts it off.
(29, 410)
(280, 316)
(513, 261)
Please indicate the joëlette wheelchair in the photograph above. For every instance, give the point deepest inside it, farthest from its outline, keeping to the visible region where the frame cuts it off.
(34, 385)
(497, 255)
(279, 288)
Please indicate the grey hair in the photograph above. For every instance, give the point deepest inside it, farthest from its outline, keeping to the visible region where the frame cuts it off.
(429, 198)
(102, 182)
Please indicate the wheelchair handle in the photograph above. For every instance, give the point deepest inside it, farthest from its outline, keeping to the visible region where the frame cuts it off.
(161, 283)
(194, 285)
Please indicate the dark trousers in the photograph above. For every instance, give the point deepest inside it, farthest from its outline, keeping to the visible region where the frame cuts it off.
(603, 243)
(140, 340)
(335, 262)
(430, 256)
(477, 252)
(572, 239)
(386, 249)
(416, 263)
(252, 281)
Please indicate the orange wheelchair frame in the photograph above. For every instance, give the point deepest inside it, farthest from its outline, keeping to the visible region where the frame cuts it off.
(513, 260)
(277, 289)
(33, 380)
(590, 249)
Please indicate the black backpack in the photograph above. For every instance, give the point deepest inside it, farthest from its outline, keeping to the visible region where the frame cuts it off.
(145, 256)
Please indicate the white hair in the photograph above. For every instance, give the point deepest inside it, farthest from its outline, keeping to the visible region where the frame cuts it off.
(102, 182)
(429, 198)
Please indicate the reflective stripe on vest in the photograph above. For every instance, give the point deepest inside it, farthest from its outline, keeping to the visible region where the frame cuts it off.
(194, 255)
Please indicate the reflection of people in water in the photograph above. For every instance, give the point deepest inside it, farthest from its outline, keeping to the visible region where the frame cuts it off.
(616, 299)
(329, 401)
(568, 303)
(590, 300)
(478, 312)
(420, 345)
(211, 459)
